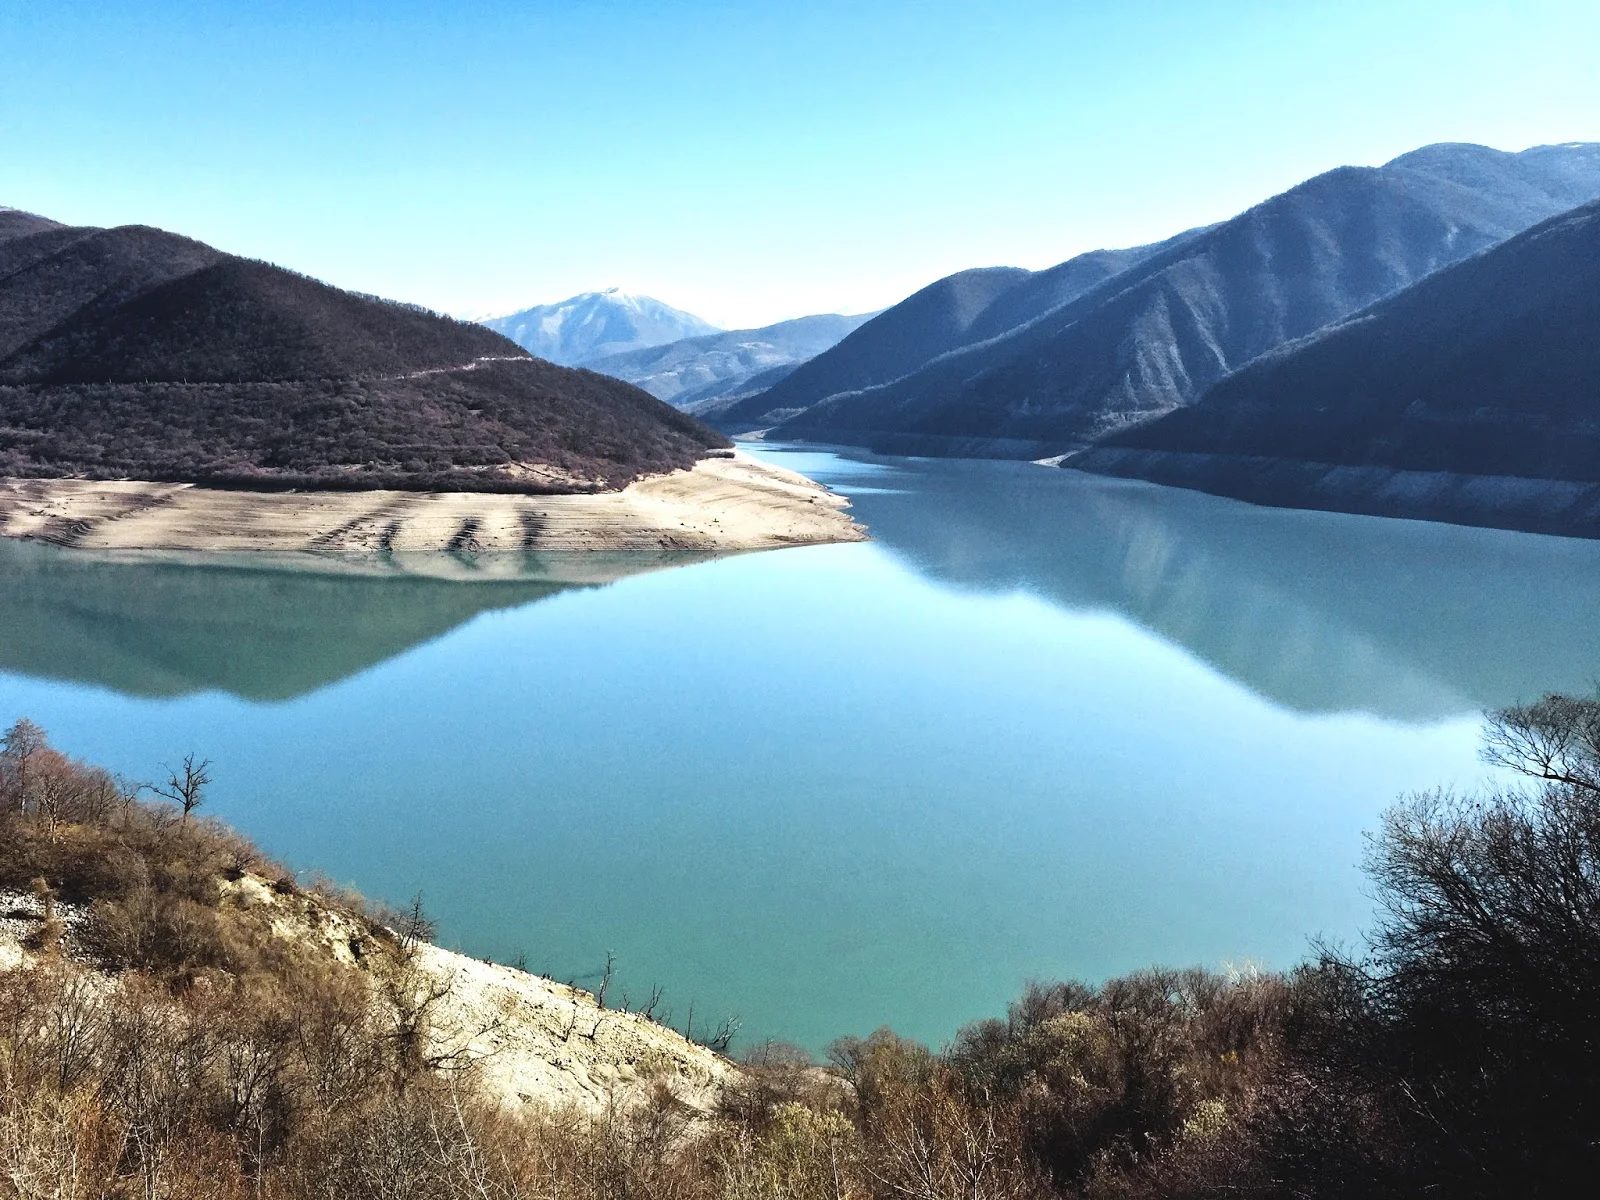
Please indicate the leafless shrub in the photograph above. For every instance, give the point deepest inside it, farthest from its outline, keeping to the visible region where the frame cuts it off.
(1456, 1058)
(186, 786)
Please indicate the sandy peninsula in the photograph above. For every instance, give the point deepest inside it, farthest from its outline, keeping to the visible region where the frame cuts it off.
(722, 504)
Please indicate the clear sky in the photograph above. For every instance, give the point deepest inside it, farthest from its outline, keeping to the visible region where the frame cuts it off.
(746, 161)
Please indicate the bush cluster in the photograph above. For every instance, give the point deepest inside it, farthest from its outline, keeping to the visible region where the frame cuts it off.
(1456, 1056)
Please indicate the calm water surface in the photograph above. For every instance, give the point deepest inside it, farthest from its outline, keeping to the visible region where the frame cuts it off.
(1043, 725)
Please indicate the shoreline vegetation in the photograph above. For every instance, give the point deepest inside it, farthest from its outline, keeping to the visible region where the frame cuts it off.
(181, 1017)
(724, 503)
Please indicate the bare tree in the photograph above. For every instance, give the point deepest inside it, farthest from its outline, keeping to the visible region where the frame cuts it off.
(52, 795)
(187, 790)
(17, 749)
(414, 990)
(413, 928)
(648, 1012)
(723, 1037)
(1556, 739)
(1481, 989)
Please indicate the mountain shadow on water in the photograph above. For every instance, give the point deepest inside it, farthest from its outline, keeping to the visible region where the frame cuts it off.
(1316, 612)
(160, 626)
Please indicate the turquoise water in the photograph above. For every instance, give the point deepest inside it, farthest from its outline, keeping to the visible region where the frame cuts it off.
(1043, 725)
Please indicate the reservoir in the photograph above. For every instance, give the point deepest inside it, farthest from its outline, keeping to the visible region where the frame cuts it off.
(1043, 725)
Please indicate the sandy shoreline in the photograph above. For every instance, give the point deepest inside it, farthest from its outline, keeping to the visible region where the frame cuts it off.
(737, 503)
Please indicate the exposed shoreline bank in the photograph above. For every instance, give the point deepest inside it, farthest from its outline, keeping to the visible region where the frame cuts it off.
(530, 1040)
(1562, 508)
(722, 504)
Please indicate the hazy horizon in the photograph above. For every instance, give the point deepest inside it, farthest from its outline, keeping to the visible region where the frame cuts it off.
(744, 166)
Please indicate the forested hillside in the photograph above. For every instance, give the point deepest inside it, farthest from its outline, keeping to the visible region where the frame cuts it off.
(134, 353)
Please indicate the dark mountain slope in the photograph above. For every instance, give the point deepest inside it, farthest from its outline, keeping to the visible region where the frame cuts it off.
(241, 320)
(1049, 289)
(1490, 368)
(697, 369)
(710, 408)
(957, 311)
(52, 274)
(136, 353)
(16, 223)
(1155, 336)
(898, 340)
(1561, 175)
(521, 426)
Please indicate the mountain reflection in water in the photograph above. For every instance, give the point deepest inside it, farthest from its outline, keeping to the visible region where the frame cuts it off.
(261, 626)
(1316, 612)
(1044, 725)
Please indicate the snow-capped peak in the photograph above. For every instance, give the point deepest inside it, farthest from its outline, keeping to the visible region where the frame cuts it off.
(595, 324)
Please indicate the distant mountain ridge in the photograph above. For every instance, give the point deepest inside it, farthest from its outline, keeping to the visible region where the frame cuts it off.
(136, 353)
(14, 223)
(956, 311)
(693, 373)
(583, 328)
(1472, 396)
(1125, 336)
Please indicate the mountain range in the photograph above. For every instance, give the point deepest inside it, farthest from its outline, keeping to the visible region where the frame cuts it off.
(1316, 613)
(1416, 339)
(962, 309)
(579, 330)
(1472, 396)
(1002, 362)
(705, 374)
(136, 353)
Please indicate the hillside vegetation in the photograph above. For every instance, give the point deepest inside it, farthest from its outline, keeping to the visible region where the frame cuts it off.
(161, 1036)
(134, 353)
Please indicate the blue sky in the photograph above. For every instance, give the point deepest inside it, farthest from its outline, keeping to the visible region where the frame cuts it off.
(747, 162)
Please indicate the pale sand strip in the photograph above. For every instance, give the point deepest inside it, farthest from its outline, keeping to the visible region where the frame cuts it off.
(734, 503)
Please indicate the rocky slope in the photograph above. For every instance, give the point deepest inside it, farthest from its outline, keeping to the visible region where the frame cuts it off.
(727, 503)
